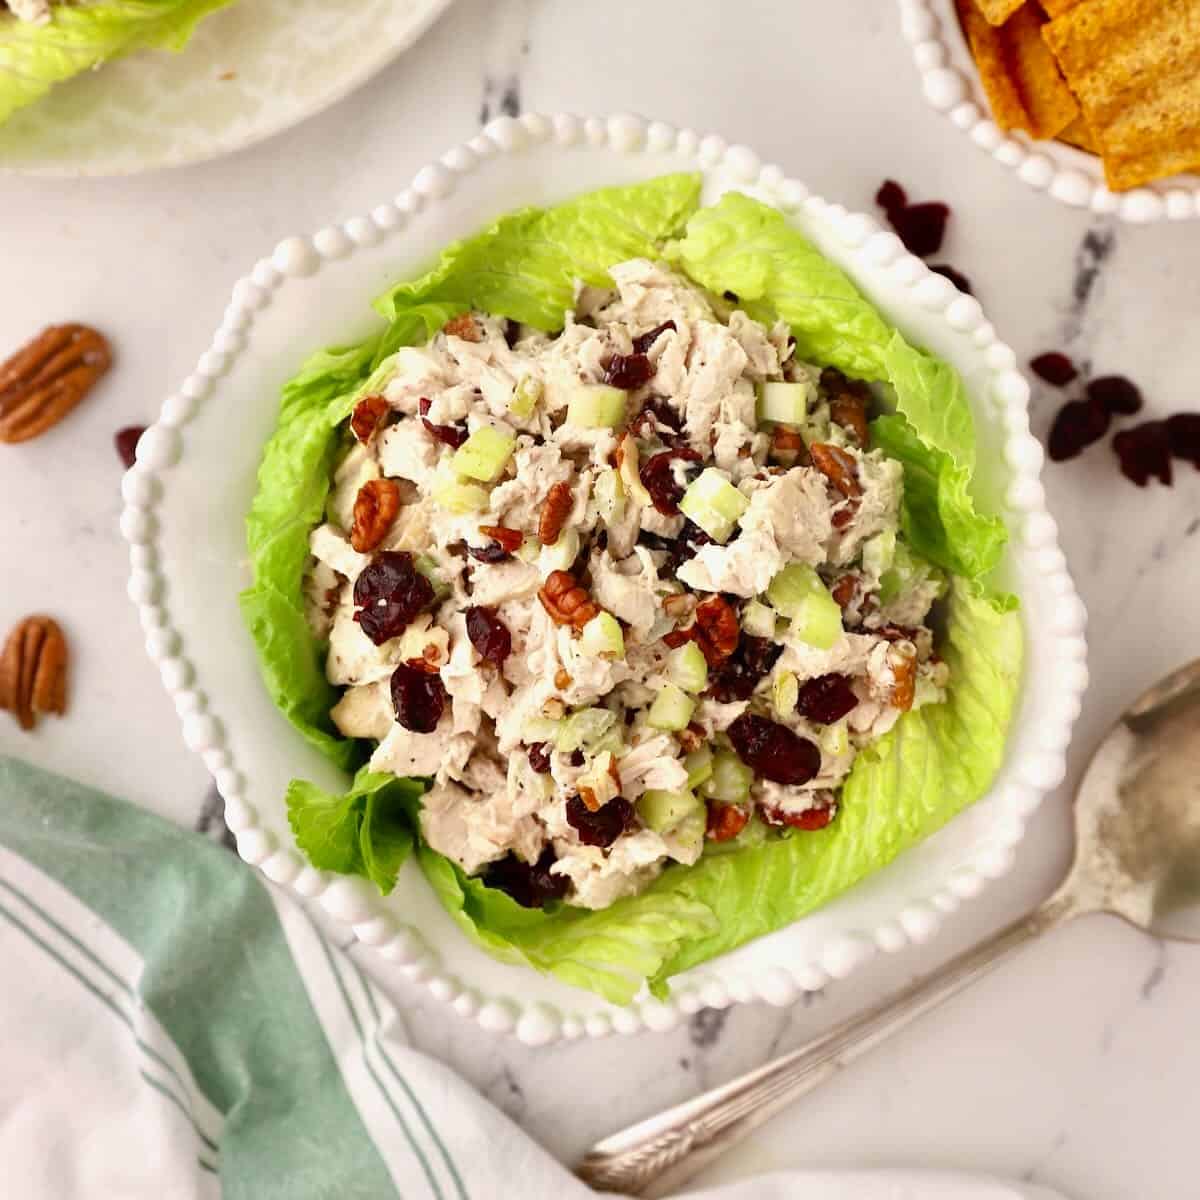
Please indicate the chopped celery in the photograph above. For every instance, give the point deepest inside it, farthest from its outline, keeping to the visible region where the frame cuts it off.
(699, 766)
(612, 740)
(907, 571)
(529, 549)
(602, 636)
(758, 620)
(786, 403)
(525, 397)
(596, 406)
(672, 709)
(540, 729)
(927, 692)
(688, 835)
(785, 691)
(428, 566)
(484, 454)
(879, 552)
(730, 781)
(686, 666)
(834, 740)
(798, 593)
(714, 504)
(662, 810)
(456, 497)
(560, 555)
(610, 496)
(583, 728)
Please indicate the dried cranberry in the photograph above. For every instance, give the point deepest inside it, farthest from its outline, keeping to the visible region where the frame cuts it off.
(450, 435)
(921, 227)
(957, 278)
(773, 751)
(644, 341)
(530, 886)
(1183, 434)
(891, 196)
(656, 411)
(1079, 423)
(539, 758)
(577, 758)
(826, 699)
(738, 676)
(389, 593)
(493, 552)
(1115, 394)
(418, 697)
(126, 441)
(1054, 368)
(658, 478)
(489, 635)
(512, 331)
(1145, 451)
(628, 371)
(816, 817)
(602, 827)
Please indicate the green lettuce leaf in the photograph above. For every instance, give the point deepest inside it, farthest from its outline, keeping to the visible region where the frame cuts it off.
(33, 58)
(366, 831)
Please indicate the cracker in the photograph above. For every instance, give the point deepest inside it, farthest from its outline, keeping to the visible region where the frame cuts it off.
(998, 11)
(1133, 66)
(1078, 134)
(1055, 8)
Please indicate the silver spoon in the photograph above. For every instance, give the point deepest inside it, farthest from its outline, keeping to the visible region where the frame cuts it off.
(1137, 856)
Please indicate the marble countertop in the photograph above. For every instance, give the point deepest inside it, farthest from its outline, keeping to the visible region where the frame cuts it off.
(1073, 1065)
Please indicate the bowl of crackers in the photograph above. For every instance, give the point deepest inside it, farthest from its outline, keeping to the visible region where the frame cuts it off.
(1096, 102)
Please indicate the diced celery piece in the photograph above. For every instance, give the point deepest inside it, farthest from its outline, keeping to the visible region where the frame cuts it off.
(610, 496)
(529, 549)
(672, 709)
(688, 835)
(730, 781)
(540, 729)
(758, 620)
(662, 810)
(699, 766)
(525, 397)
(602, 635)
(612, 740)
(879, 552)
(687, 667)
(798, 593)
(456, 497)
(560, 555)
(583, 728)
(926, 692)
(834, 740)
(484, 454)
(428, 566)
(714, 504)
(785, 691)
(907, 571)
(786, 403)
(596, 406)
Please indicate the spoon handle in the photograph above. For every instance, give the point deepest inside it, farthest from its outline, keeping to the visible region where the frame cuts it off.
(658, 1155)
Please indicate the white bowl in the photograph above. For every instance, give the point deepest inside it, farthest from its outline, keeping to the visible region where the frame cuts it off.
(950, 81)
(188, 494)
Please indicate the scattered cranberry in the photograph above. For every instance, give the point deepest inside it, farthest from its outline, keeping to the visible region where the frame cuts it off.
(489, 635)
(1115, 394)
(1145, 451)
(656, 411)
(679, 549)
(539, 758)
(577, 758)
(450, 435)
(738, 676)
(644, 341)
(493, 552)
(1079, 423)
(529, 886)
(1183, 434)
(658, 477)
(921, 227)
(891, 197)
(1054, 368)
(628, 371)
(826, 699)
(957, 278)
(389, 593)
(126, 441)
(602, 827)
(773, 751)
(816, 817)
(418, 697)
(512, 331)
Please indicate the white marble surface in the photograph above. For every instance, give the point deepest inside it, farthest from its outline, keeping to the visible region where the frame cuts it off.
(1073, 1065)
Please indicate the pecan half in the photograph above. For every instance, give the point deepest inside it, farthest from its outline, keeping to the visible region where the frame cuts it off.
(726, 821)
(368, 416)
(850, 412)
(33, 671)
(787, 447)
(463, 326)
(375, 511)
(902, 658)
(565, 601)
(44, 381)
(555, 510)
(717, 629)
(838, 467)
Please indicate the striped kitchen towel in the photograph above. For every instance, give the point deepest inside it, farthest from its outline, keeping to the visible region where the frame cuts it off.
(174, 1028)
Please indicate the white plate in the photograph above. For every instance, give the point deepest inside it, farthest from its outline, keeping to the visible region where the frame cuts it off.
(951, 84)
(187, 497)
(251, 70)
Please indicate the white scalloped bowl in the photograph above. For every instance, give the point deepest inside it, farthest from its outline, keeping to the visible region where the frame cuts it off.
(950, 82)
(188, 494)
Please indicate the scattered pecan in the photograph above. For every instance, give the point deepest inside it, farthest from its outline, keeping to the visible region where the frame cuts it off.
(555, 510)
(565, 601)
(717, 629)
(726, 821)
(679, 637)
(368, 416)
(424, 663)
(850, 412)
(588, 796)
(463, 326)
(33, 671)
(679, 606)
(562, 680)
(44, 381)
(375, 511)
(787, 447)
(691, 738)
(902, 659)
(845, 515)
(509, 540)
(844, 590)
(838, 467)
(614, 773)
